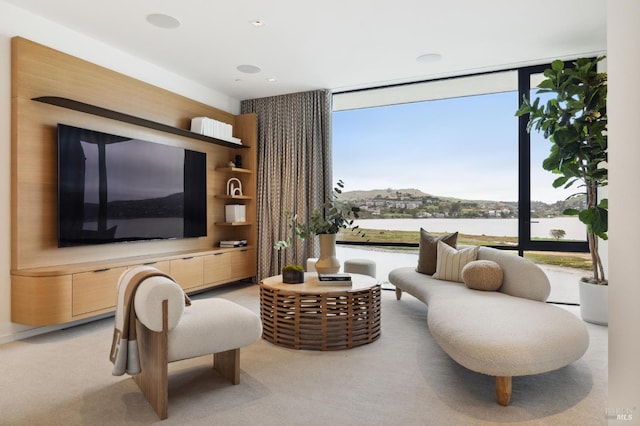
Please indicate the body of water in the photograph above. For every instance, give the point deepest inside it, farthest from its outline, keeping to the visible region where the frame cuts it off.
(540, 228)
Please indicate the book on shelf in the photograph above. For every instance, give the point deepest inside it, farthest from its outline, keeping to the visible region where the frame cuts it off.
(233, 243)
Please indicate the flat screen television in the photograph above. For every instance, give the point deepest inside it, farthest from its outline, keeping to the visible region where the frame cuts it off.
(117, 189)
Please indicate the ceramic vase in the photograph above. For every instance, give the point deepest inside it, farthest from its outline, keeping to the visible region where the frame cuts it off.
(327, 263)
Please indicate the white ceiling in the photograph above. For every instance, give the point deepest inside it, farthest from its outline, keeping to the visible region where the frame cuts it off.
(335, 44)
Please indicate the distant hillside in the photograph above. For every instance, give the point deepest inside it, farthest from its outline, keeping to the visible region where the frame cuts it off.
(410, 192)
(413, 202)
(380, 193)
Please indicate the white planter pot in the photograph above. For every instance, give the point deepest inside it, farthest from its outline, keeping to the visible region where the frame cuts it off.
(327, 263)
(594, 303)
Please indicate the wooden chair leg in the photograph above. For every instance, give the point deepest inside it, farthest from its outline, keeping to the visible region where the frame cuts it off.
(398, 293)
(152, 380)
(228, 364)
(503, 390)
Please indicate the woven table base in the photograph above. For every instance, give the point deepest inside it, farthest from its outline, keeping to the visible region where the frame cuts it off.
(321, 321)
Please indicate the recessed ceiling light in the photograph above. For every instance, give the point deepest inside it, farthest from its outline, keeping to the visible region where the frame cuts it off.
(272, 80)
(429, 58)
(163, 21)
(257, 23)
(248, 69)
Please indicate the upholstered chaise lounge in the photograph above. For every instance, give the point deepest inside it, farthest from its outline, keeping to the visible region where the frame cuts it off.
(504, 333)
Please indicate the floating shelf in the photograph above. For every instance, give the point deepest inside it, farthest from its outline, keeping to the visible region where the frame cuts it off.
(233, 223)
(233, 170)
(126, 118)
(234, 197)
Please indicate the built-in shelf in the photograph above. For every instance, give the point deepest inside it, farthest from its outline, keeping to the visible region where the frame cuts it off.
(233, 170)
(233, 223)
(234, 197)
(131, 119)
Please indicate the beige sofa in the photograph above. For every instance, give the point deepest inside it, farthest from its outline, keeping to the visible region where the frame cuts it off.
(504, 333)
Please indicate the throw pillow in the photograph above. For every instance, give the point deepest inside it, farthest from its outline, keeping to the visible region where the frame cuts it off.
(451, 261)
(483, 275)
(429, 250)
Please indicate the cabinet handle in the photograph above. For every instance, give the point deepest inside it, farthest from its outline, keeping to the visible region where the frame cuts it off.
(149, 263)
(187, 258)
(102, 270)
(218, 254)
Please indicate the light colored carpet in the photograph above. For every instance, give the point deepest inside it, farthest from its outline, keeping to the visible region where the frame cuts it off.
(64, 378)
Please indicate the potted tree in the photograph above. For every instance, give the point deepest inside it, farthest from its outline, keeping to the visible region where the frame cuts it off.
(574, 120)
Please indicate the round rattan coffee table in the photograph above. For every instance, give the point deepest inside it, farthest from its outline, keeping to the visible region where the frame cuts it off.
(320, 317)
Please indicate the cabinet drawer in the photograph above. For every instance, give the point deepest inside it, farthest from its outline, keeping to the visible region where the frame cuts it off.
(164, 266)
(243, 263)
(95, 291)
(217, 268)
(41, 300)
(188, 272)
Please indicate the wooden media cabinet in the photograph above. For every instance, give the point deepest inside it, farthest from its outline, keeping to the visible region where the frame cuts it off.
(53, 285)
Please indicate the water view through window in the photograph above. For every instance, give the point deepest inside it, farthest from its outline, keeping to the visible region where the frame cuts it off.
(447, 165)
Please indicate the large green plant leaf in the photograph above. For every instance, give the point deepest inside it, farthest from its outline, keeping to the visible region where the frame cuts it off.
(574, 120)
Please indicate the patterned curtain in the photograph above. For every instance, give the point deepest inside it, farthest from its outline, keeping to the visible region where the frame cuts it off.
(294, 171)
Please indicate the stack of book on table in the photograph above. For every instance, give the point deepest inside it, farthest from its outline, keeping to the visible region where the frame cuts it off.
(233, 243)
(334, 279)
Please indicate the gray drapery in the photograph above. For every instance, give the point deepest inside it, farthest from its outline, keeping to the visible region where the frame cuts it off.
(294, 171)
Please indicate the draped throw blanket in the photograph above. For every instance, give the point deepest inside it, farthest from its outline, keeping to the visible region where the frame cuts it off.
(124, 347)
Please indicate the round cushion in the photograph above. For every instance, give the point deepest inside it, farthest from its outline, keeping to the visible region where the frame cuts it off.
(148, 302)
(483, 275)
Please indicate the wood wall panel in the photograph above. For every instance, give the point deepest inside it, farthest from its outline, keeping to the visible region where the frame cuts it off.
(51, 285)
(41, 71)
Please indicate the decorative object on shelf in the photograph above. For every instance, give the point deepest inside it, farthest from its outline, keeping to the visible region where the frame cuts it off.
(231, 164)
(575, 122)
(293, 274)
(238, 161)
(234, 187)
(235, 213)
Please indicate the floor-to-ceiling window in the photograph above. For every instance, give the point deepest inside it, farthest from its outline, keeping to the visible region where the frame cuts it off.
(448, 156)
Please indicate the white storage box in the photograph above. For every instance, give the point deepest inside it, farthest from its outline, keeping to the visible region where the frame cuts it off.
(235, 213)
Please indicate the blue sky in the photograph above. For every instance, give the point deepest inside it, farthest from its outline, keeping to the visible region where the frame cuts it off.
(460, 147)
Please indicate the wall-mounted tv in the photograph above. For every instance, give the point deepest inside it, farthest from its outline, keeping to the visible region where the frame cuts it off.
(117, 189)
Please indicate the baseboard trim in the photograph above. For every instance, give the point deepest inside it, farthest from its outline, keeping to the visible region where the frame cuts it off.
(31, 332)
